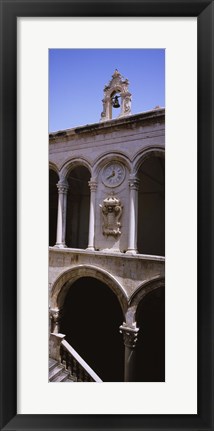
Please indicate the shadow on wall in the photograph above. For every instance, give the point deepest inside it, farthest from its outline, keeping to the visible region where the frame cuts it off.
(78, 208)
(151, 207)
(53, 206)
(150, 348)
(91, 319)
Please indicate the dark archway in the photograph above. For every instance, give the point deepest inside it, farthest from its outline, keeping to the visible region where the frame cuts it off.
(91, 319)
(53, 205)
(78, 203)
(150, 348)
(151, 207)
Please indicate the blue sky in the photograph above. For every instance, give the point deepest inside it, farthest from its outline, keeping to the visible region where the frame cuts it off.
(77, 78)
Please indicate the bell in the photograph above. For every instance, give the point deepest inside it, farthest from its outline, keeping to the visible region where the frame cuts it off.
(115, 102)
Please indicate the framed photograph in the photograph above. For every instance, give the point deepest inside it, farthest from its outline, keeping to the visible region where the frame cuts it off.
(111, 250)
(95, 97)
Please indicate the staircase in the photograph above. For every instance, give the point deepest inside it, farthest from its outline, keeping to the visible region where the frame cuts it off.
(66, 365)
(58, 373)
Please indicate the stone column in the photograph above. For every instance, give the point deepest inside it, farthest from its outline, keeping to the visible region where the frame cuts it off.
(55, 315)
(93, 187)
(61, 218)
(133, 214)
(130, 339)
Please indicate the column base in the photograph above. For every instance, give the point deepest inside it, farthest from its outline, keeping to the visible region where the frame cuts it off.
(131, 251)
(90, 247)
(60, 245)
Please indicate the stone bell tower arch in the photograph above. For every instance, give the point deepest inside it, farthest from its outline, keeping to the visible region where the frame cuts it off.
(117, 86)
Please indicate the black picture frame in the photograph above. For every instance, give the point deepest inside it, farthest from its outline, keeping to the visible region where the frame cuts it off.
(10, 11)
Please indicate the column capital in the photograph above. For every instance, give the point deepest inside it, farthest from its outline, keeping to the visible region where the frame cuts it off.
(129, 335)
(93, 185)
(55, 314)
(134, 182)
(63, 186)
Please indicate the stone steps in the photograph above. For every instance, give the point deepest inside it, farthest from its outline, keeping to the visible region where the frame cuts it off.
(58, 373)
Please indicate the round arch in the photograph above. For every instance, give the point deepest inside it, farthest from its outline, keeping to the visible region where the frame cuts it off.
(53, 203)
(54, 167)
(69, 165)
(106, 157)
(137, 296)
(148, 152)
(150, 319)
(77, 174)
(90, 319)
(149, 168)
(64, 282)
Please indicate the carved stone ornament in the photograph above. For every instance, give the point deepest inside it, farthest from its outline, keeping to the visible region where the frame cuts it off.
(93, 185)
(134, 183)
(129, 335)
(62, 186)
(55, 314)
(117, 86)
(127, 104)
(111, 212)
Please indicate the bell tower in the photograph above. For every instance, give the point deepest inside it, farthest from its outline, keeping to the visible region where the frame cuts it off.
(116, 95)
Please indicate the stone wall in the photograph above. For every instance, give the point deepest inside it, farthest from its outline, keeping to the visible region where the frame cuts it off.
(125, 274)
(127, 141)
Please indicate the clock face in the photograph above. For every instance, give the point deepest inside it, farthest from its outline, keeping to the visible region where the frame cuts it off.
(113, 174)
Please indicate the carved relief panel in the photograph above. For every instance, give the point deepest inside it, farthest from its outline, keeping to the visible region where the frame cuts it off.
(111, 212)
(112, 200)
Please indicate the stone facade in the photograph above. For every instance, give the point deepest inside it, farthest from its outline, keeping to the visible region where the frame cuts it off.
(105, 161)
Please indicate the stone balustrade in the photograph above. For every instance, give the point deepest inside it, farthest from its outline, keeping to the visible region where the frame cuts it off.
(73, 362)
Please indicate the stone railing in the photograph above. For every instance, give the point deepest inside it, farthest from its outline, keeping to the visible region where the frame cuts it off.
(61, 351)
(73, 362)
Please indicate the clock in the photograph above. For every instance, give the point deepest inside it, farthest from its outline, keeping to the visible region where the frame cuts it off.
(113, 174)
